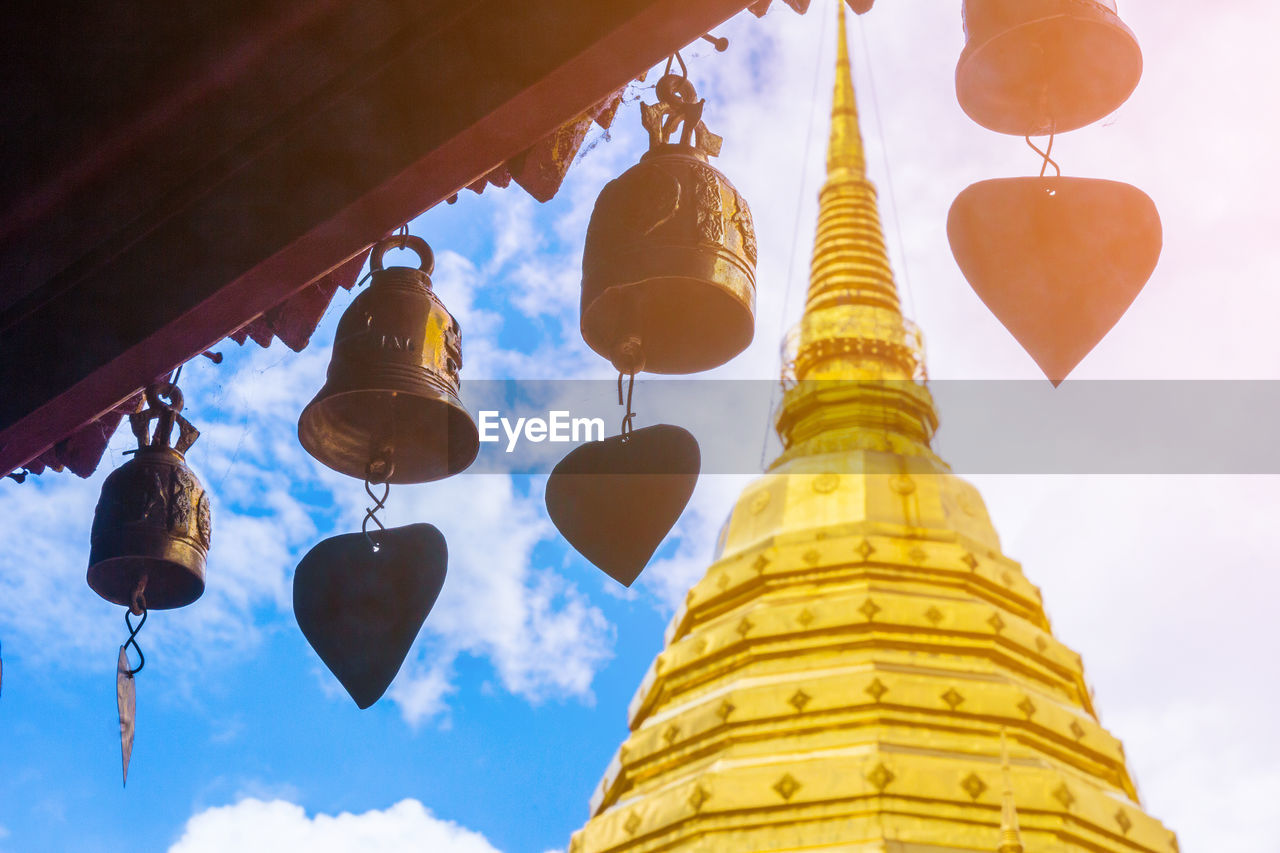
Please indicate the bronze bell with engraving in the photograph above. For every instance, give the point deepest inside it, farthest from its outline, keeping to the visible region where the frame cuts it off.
(1034, 67)
(150, 534)
(389, 410)
(668, 270)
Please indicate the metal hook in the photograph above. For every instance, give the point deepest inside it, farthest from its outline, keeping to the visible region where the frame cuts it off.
(630, 415)
(386, 468)
(676, 57)
(1045, 154)
(138, 607)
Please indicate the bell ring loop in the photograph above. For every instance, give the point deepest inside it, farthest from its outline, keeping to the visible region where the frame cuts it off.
(415, 244)
(158, 393)
(674, 89)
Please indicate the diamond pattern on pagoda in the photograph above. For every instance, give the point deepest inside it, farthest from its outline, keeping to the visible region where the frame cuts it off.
(799, 699)
(1123, 820)
(805, 618)
(759, 502)
(744, 627)
(969, 560)
(1041, 644)
(917, 554)
(973, 785)
(865, 549)
(761, 563)
(934, 615)
(880, 777)
(1063, 795)
(996, 623)
(812, 556)
(726, 708)
(786, 786)
(672, 732)
(876, 689)
(869, 609)
(1026, 706)
(953, 698)
(1077, 729)
(722, 580)
(632, 823)
(699, 796)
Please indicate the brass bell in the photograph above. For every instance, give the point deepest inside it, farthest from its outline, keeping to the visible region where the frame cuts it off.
(389, 409)
(1034, 67)
(668, 270)
(150, 533)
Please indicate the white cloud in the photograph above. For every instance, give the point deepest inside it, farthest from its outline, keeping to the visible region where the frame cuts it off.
(543, 637)
(257, 826)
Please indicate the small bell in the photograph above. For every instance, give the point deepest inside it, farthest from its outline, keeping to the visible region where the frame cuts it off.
(151, 527)
(670, 255)
(1034, 67)
(389, 409)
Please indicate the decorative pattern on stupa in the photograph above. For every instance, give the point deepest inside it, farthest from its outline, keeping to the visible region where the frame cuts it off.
(841, 677)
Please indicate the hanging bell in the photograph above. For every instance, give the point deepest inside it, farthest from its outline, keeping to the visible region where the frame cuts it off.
(151, 529)
(1034, 67)
(389, 409)
(668, 270)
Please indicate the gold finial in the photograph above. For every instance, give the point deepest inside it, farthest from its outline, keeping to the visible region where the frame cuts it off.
(1010, 834)
(844, 148)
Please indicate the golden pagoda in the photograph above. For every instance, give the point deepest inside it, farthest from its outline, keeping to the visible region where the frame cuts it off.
(861, 668)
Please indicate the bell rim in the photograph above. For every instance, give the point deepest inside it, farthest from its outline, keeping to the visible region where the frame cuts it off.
(178, 593)
(660, 361)
(986, 110)
(309, 434)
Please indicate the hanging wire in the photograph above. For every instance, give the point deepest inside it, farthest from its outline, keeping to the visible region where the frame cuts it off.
(629, 417)
(801, 186)
(888, 171)
(684, 69)
(1045, 154)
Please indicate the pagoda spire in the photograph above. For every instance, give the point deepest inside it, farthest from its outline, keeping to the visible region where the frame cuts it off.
(852, 328)
(844, 148)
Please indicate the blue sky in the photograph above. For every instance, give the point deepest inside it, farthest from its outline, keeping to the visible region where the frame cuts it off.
(514, 699)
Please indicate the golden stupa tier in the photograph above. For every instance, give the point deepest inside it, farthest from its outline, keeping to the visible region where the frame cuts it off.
(861, 668)
(840, 679)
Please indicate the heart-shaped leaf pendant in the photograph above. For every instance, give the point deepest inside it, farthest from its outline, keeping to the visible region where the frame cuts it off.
(615, 500)
(1057, 260)
(360, 608)
(126, 706)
